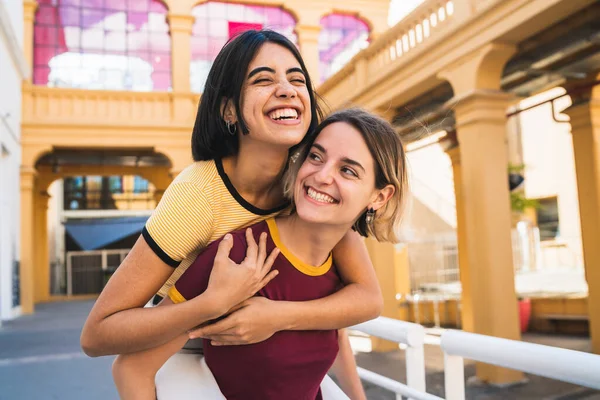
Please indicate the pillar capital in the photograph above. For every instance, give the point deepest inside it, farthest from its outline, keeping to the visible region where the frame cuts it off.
(480, 69)
(584, 111)
(180, 22)
(308, 33)
(480, 105)
(29, 9)
(28, 176)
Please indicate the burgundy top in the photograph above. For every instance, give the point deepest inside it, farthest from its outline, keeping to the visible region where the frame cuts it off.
(291, 364)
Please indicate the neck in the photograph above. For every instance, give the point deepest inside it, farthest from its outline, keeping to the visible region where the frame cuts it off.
(256, 174)
(310, 242)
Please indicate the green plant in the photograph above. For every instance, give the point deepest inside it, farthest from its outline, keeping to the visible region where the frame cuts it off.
(515, 168)
(519, 203)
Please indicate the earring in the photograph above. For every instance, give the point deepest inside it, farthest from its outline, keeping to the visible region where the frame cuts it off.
(370, 216)
(231, 128)
(294, 157)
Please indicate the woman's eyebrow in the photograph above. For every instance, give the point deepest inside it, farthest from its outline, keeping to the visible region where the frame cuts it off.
(271, 70)
(260, 69)
(345, 159)
(295, 69)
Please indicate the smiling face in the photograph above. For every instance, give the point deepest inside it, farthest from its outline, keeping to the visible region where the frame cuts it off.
(336, 182)
(275, 102)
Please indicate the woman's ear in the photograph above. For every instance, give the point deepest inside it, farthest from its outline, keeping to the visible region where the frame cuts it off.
(382, 197)
(228, 111)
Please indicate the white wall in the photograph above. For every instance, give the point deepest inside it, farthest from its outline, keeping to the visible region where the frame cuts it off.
(550, 171)
(12, 71)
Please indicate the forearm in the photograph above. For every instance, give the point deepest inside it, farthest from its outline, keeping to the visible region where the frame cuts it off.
(139, 329)
(344, 369)
(349, 306)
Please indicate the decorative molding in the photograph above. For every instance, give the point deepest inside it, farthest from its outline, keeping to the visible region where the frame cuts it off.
(8, 34)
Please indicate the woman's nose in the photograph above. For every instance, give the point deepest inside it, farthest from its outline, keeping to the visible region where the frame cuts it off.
(325, 175)
(286, 90)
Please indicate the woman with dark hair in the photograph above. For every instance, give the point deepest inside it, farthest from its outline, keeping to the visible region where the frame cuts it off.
(352, 176)
(257, 106)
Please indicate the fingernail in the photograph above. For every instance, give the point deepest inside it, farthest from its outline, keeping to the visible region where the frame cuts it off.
(228, 236)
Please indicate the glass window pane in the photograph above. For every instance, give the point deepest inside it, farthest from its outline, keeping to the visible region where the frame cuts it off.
(215, 22)
(341, 37)
(101, 44)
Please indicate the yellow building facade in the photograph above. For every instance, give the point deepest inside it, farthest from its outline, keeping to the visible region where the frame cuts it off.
(458, 64)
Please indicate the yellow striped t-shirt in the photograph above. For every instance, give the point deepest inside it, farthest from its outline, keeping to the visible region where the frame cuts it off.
(200, 206)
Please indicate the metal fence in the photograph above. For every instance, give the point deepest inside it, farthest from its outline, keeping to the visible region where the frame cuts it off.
(411, 335)
(88, 271)
(564, 365)
(571, 366)
(433, 264)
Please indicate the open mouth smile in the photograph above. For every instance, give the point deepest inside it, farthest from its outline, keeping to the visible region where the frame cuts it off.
(319, 197)
(282, 114)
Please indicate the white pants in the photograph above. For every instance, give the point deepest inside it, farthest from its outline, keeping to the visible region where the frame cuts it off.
(185, 376)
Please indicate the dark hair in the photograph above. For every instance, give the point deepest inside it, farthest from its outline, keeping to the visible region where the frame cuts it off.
(390, 169)
(210, 138)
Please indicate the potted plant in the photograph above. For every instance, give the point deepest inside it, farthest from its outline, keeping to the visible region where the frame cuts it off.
(519, 204)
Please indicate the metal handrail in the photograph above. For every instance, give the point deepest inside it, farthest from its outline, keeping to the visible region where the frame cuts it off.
(551, 362)
(411, 335)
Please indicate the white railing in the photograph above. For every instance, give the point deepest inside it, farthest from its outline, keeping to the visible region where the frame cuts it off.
(570, 366)
(551, 362)
(411, 335)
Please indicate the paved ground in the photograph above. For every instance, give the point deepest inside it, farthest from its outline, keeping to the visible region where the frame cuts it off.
(40, 359)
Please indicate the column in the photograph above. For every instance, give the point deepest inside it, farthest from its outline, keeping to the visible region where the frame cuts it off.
(488, 298)
(463, 259)
(29, 9)
(42, 262)
(26, 271)
(308, 41)
(585, 129)
(181, 51)
(489, 294)
(388, 264)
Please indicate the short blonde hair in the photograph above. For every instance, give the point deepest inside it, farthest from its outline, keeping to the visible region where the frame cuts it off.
(390, 169)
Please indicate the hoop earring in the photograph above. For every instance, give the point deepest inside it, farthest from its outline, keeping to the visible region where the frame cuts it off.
(370, 217)
(231, 128)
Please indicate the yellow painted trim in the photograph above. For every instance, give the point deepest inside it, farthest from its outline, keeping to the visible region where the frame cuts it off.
(175, 296)
(300, 265)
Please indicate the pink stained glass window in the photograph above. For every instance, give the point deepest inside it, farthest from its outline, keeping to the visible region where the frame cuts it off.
(216, 22)
(102, 44)
(341, 37)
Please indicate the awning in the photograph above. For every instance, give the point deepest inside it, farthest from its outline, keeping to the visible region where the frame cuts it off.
(92, 234)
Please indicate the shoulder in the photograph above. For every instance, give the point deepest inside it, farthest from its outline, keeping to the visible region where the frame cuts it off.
(200, 175)
(183, 219)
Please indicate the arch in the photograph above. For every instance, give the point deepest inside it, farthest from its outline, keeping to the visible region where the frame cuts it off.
(31, 154)
(102, 45)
